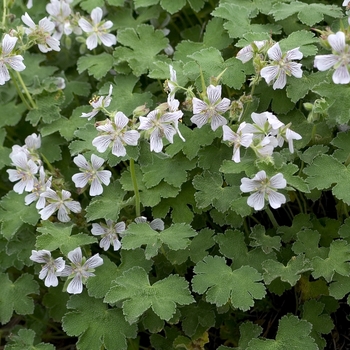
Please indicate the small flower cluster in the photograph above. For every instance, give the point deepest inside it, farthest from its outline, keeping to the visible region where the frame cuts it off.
(77, 272)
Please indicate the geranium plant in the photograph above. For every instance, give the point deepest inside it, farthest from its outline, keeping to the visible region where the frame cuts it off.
(175, 174)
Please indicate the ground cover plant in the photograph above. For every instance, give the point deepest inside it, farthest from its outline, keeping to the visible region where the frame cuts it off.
(174, 174)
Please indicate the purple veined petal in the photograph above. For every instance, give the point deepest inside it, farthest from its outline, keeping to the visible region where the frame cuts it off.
(217, 120)
(295, 69)
(96, 188)
(146, 122)
(213, 93)
(81, 162)
(105, 243)
(278, 181)
(200, 119)
(30, 198)
(75, 256)
(96, 15)
(62, 214)
(8, 43)
(65, 195)
(120, 227)
(46, 25)
(275, 52)
(91, 41)
(49, 193)
(325, 62)
(294, 54)
(19, 187)
(67, 271)
(156, 141)
(341, 75)
(245, 54)
(28, 21)
(276, 199)
(131, 137)
(4, 74)
(171, 117)
(256, 200)
(246, 140)
(223, 105)
(60, 264)
(157, 224)
(20, 160)
(104, 176)
(85, 25)
(93, 262)
(14, 175)
(46, 212)
(97, 230)
(73, 206)
(75, 286)
(44, 48)
(116, 244)
(270, 73)
(40, 256)
(248, 185)
(80, 180)
(96, 162)
(43, 272)
(121, 120)
(281, 80)
(140, 220)
(40, 204)
(337, 41)
(108, 39)
(53, 43)
(260, 176)
(236, 156)
(118, 148)
(106, 25)
(89, 115)
(198, 105)
(169, 132)
(102, 142)
(51, 279)
(345, 2)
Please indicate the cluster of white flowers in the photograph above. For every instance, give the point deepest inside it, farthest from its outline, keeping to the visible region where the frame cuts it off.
(77, 272)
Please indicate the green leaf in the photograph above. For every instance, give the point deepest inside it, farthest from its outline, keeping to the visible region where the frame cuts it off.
(24, 340)
(175, 237)
(339, 287)
(290, 273)
(108, 205)
(141, 47)
(337, 261)
(309, 14)
(4, 151)
(55, 301)
(342, 142)
(58, 235)
(308, 244)
(222, 284)
(248, 331)
(292, 334)
(266, 242)
(14, 212)
(172, 6)
(325, 171)
(14, 296)
(86, 134)
(97, 66)
(145, 3)
(96, 325)
(138, 295)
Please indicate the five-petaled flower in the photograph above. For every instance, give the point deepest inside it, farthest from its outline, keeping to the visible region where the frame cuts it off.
(264, 187)
(60, 201)
(115, 133)
(247, 52)
(80, 270)
(97, 31)
(8, 59)
(52, 266)
(110, 233)
(211, 109)
(91, 174)
(281, 66)
(339, 59)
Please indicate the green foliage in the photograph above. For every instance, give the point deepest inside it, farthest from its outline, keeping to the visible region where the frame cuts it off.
(24, 340)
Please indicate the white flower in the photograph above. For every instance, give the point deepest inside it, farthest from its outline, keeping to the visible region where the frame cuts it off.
(247, 52)
(282, 66)
(91, 174)
(172, 83)
(286, 134)
(339, 60)
(264, 187)
(109, 234)
(41, 33)
(60, 12)
(211, 109)
(33, 142)
(116, 133)
(7, 59)
(51, 268)
(238, 139)
(25, 172)
(40, 186)
(97, 30)
(99, 103)
(61, 202)
(160, 123)
(80, 270)
(30, 4)
(156, 224)
(346, 2)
